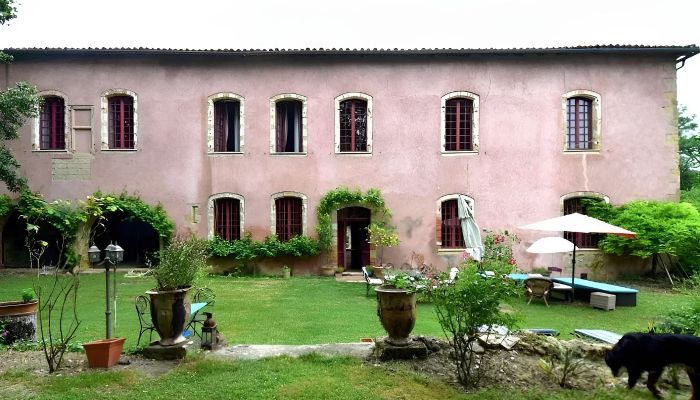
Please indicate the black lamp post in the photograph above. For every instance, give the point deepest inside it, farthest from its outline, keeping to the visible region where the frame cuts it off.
(114, 254)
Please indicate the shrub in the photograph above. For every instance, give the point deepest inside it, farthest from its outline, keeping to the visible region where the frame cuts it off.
(464, 307)
(181, 263)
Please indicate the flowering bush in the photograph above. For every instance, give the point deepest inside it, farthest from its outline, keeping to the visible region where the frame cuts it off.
(410, 282)
(498, 253)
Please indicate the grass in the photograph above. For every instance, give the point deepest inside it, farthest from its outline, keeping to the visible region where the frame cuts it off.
(308, 377)
(319, 310)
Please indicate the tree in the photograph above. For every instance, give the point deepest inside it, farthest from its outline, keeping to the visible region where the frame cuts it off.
(688, 148)
(17, 104)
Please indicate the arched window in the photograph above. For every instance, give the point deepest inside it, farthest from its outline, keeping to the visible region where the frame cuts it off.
(225, 128)
(288, 215)
(226, 211)
(119, 120)
(460, 122)
(288, 127)
(449, 230)
(582, 120)
(52, 132)
(353, 123)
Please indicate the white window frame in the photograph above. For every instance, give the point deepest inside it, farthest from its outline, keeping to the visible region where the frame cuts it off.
(359, 96)
(210, 122)
(273, 210)
(596, 119)
(475, 121)
(104, 118)
(273, 124)
(67, 131)
(210, 211)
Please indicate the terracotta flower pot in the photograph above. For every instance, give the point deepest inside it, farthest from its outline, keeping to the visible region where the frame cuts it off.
(396, 309)
(104, 353)
(170, 313)
(18, 308)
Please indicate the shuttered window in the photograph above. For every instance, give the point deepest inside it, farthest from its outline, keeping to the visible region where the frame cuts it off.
(121, 122)
(458, 124)
(451, 228)
(52, 124)
(288, 217)
(227, 218)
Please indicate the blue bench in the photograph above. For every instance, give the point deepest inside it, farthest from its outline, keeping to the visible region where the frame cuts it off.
(624, 297)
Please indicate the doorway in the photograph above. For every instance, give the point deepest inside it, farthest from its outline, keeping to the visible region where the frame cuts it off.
(138, 239)
(353, 248)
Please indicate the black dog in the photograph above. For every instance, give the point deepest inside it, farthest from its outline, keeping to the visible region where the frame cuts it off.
(639, 352)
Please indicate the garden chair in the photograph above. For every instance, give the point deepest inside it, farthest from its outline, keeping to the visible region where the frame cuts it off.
(370, 280)
(538, 287)
(206, 296)
(143, 310)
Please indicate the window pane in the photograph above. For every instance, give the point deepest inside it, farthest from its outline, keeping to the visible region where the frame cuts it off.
(227, 221)
(451, 227)
(288, 217)
(288, 126)
(353, 125)
(121, 122)
(52, 124)
(458, 124)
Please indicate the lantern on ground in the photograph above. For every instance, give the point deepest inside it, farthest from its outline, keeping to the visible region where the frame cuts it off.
(209, 333)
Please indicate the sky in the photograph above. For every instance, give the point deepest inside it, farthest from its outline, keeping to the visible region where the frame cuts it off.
(269, 24)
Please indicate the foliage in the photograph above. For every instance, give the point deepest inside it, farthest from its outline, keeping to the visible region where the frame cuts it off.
(498, 252)
(661, 228)
(57, 315)
(7, 11)
(181, 263)
(17, 104)
(382, 235)
(28, 295)
(685, 319)
(464, 307)
(403, 280)
(341, 197)
(688, 148)
(98, 205)
(562, 365)
(247, 249)
(5, 205)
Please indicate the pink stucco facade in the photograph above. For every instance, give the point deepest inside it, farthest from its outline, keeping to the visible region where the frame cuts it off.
(519, 174)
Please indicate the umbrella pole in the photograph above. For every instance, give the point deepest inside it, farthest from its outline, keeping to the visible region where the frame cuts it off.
(573, 273)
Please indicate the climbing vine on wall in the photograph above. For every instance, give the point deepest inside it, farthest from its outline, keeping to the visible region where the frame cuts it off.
(247, 249)
(341, 197)
(99, 204)
(5, 205)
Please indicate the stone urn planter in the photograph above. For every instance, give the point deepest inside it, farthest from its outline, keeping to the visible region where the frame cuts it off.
(396, 309)
(19, 319)
(170, 312)
(104, 353)
(328, 270)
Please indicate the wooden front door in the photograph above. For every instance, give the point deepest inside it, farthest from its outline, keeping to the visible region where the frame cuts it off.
(353, 248)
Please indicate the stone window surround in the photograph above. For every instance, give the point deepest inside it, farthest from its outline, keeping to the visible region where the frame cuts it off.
(273, 210)
(210, 210)
(595, 118)
(475, 121)
(104, 118)
(68, 132)
(438, 220)
(273, 124)
(210, 121)
(348, 96)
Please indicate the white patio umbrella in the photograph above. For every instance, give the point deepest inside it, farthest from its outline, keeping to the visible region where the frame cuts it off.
(578, 223)
(551, 244)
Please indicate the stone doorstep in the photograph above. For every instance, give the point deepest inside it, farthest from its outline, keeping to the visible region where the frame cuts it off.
(254, 352)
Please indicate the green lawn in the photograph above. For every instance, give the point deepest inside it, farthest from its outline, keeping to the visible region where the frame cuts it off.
(309, 377)
(320, 310)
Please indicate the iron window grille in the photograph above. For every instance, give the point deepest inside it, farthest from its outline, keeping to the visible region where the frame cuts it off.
(459, 115)
(582, 240)
(121, 122)
(288, 218)
(52, 124)
(579, 123)
(227, 126)
(451, 227)
(227, 218)
(288, 127)
(353, 125)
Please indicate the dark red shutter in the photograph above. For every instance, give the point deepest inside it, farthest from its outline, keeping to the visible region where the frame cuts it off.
(52, 124)
(227, 218)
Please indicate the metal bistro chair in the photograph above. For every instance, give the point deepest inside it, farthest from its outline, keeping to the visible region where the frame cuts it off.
(143, 310)
(202, 295)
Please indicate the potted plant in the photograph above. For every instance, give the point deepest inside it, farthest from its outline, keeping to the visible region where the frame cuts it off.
(328, 270)
(18, 318)
(180, 264)
(396, 305)
(339, 270)
(381, 235)
(286, 272)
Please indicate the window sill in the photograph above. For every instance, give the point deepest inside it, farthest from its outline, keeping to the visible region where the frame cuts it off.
(288, 154)
(451, 250)
(459, 153)
(354, 153)
(50, 151)
(225, 153)
(593, 151)
(119, 150)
